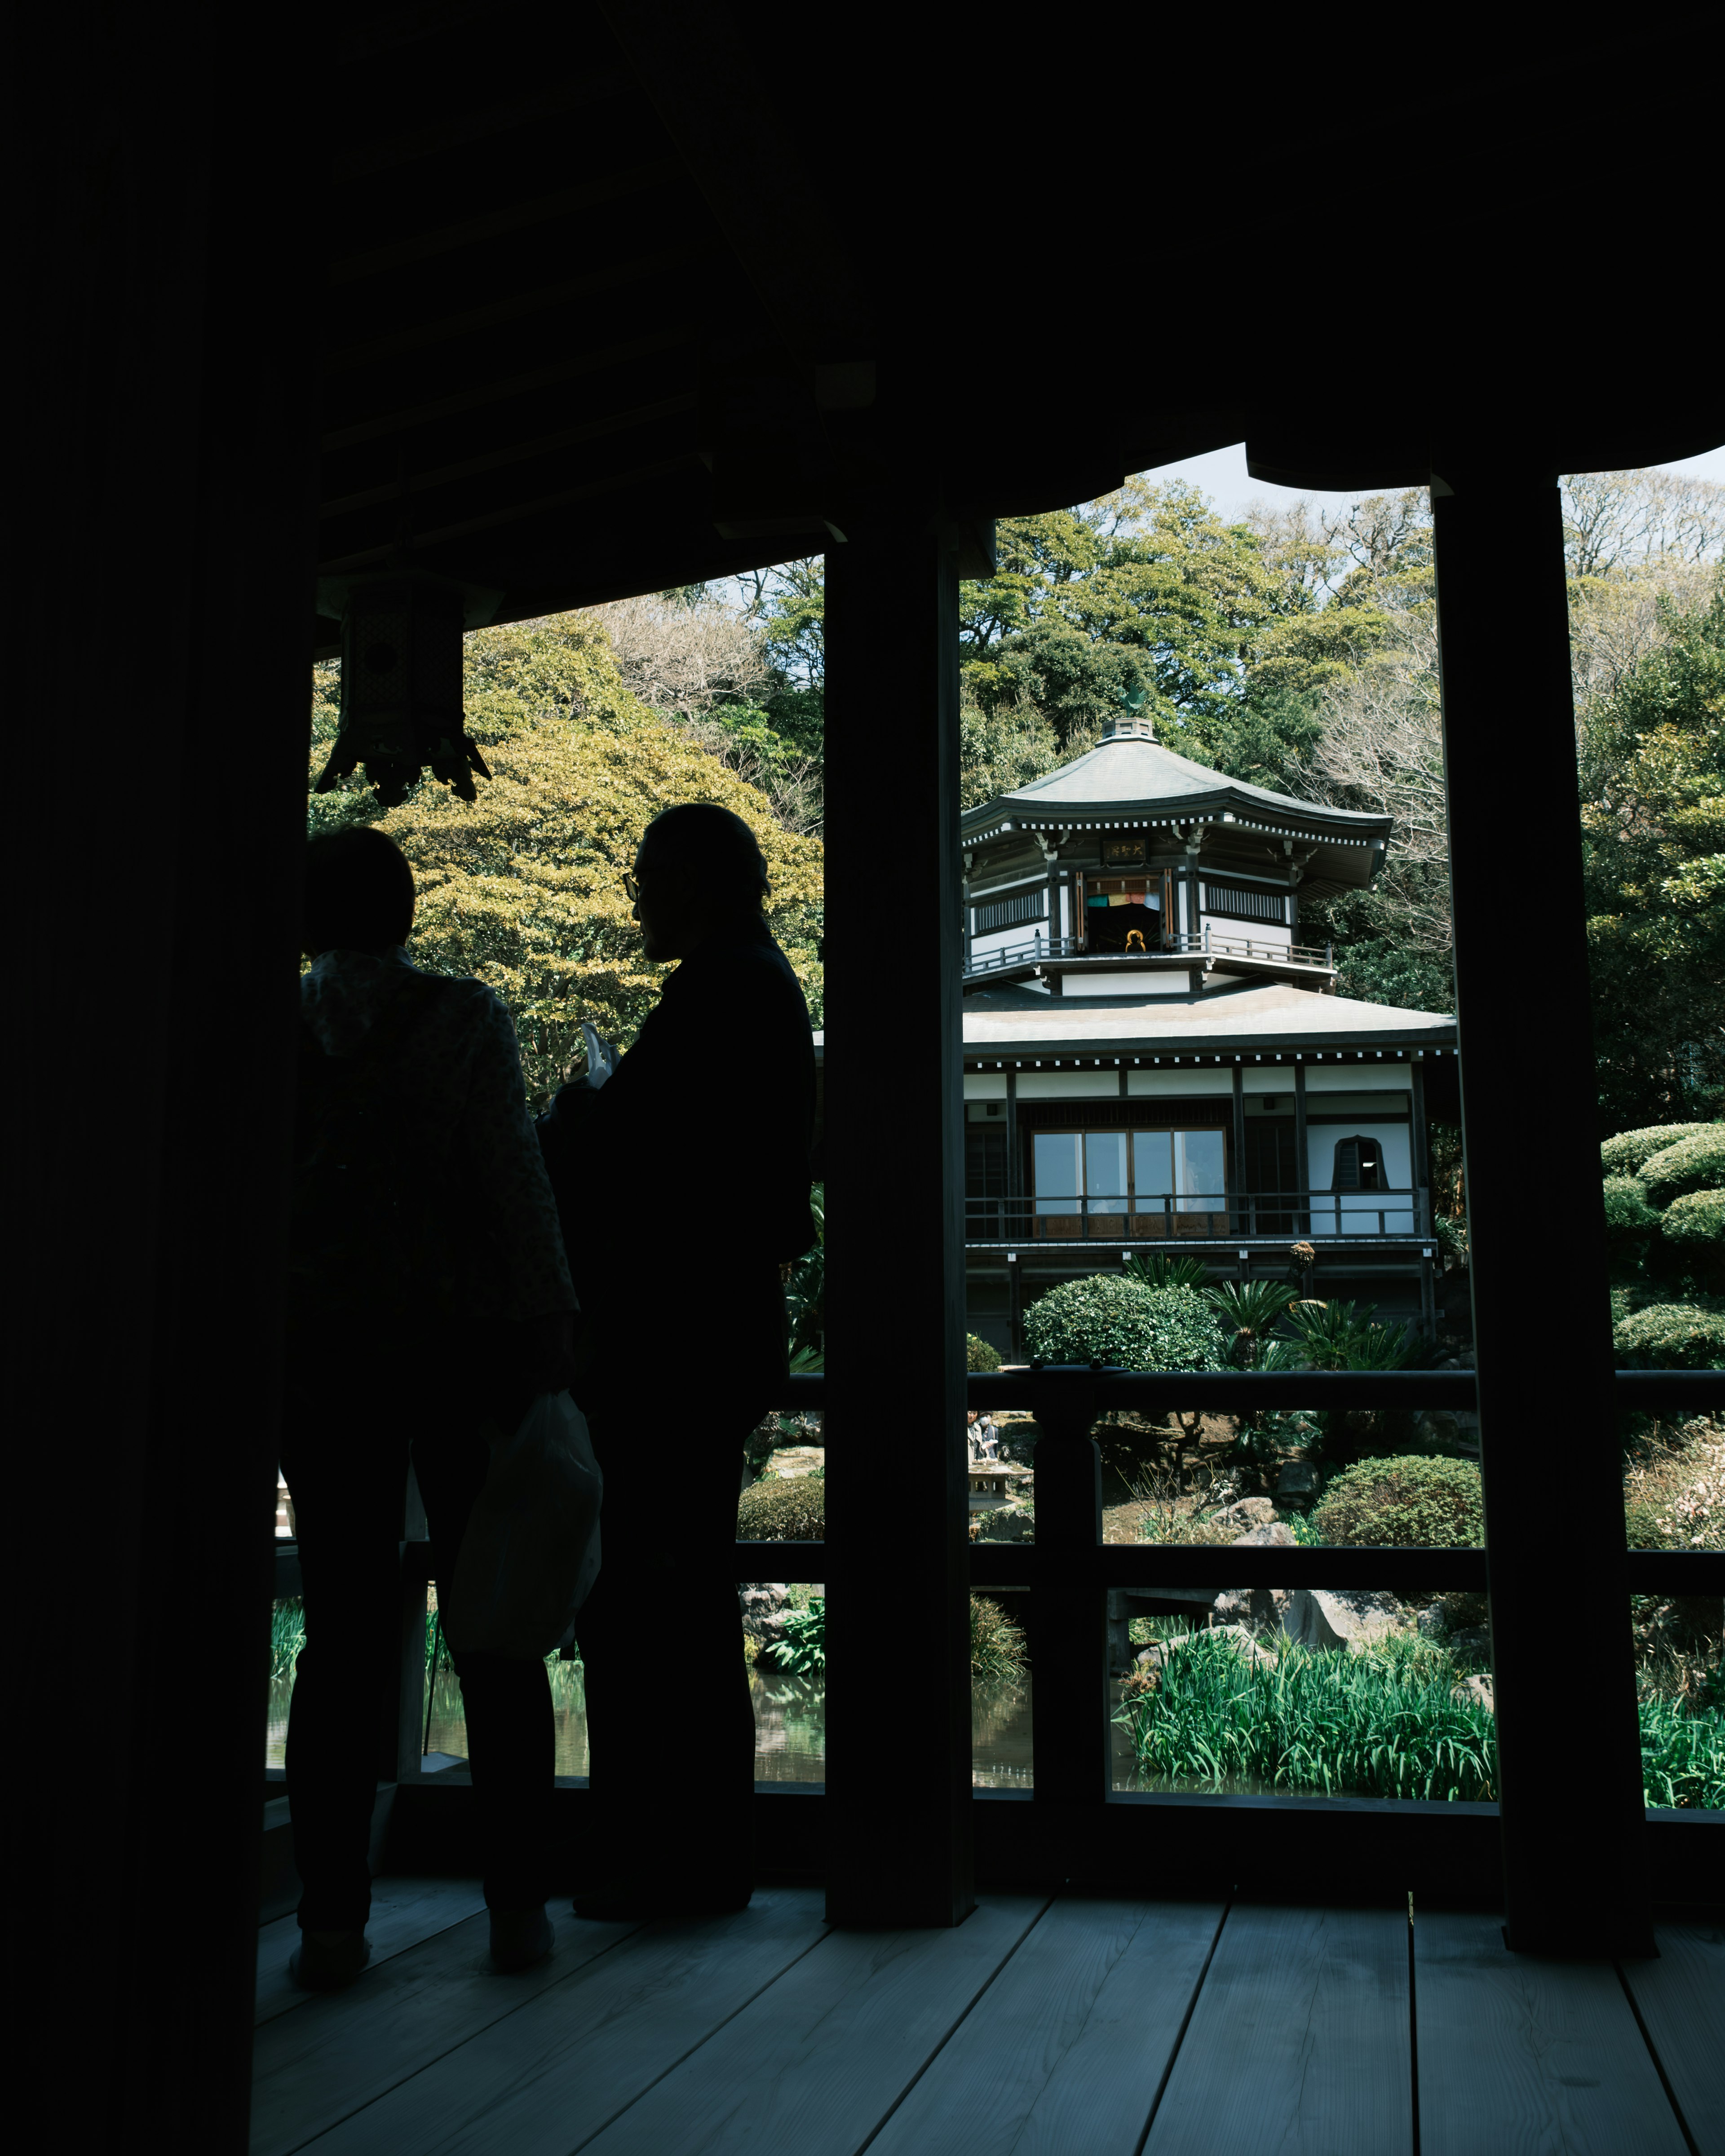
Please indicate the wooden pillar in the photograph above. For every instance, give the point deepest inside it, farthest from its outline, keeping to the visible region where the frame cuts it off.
(1244, 1210)
(169, 542)
(1575, 1876)
(899, 1824)
(1068, 1636)
(1303, 1165)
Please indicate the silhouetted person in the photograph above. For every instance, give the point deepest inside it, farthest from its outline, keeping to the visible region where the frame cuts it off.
(682, 1183)
(428, 1293)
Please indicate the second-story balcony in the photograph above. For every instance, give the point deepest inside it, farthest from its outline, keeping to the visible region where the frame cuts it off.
(1174, 949)
(1277, 1216)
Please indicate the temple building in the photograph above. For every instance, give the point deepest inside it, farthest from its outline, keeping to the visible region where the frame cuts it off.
(1154, 1059)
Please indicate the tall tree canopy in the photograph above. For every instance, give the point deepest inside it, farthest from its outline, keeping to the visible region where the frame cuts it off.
(523, 886)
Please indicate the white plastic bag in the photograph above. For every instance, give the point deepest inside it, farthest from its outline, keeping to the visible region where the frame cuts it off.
(531, 1554)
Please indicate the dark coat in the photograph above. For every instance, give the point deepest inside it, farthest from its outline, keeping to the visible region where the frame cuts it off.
(682, 1184)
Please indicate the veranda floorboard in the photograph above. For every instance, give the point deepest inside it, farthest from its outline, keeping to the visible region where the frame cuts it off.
(1064, 2054)
(813, 2065)
(1299, 2041)
(1518, 2054)
(312, 2070)
(1681, 1998)
(404, 1911)
(543, 2080)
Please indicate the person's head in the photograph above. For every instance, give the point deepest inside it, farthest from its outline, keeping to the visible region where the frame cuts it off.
(359, 893)
(699, 869)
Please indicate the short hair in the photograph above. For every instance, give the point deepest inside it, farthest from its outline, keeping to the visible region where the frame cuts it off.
(716, 845)
(359, 892)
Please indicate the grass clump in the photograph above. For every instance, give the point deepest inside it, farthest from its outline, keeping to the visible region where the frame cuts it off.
(1674, 1493)
(997, 1644)
(1110, 1319)
(781, 1511)
(1408, 1503)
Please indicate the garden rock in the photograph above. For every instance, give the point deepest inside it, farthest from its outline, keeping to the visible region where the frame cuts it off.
(1471, 1646)
(1249, 1512)
(1255, 1607)
(1476, 1691)
(1429, 1623)
(1295, 1485)
(790, 1460)
(764, 1604)
(1323, 1618)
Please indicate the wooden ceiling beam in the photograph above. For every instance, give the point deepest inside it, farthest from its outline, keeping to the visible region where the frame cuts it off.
(418, 336)
(475, 231)
(512, 453)
(497, 392)
(461, 130)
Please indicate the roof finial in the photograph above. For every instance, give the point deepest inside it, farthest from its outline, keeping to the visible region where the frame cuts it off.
(1132, 697)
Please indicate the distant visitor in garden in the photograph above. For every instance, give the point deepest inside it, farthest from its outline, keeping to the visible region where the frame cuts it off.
(428, 1297)
(682, 1348)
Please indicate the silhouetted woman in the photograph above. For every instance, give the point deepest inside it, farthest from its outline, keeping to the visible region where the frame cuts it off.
(429, 1295)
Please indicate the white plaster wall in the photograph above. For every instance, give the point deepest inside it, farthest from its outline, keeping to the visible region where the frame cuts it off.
(1397, 1163)
(985, 1085)
(1371, 1076)
(1193, 1082)
(1267, 1078)
(1154, 983)
(1069, 1086)
(1268, 933)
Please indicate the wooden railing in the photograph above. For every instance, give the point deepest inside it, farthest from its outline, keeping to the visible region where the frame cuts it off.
(1175, 943)
(1284, 1215)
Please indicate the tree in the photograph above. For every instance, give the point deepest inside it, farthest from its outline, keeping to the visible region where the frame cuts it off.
(523, 887)
(1653, 824)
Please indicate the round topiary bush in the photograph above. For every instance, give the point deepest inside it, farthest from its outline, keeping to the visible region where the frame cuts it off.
(1696, 1221)
(1696, 1162)
(1410, 1503)
(1630, 1219)
(1107, 1319)
(1629, 1150)
(1672, 1336)
(783, 1510)
(978, 1355)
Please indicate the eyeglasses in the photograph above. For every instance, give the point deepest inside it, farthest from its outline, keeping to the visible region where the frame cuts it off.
(633, 888)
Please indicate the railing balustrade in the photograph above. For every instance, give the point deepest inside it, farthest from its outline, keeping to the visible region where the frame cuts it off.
(1174, 944)
(1284, 1215)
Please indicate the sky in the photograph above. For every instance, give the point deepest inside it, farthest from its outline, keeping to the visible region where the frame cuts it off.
(1223, 476)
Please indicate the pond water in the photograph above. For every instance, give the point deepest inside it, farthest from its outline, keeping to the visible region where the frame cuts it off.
(790, 1731)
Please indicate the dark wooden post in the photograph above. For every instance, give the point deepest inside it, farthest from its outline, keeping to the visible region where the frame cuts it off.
(1069, 1637)
(899, 1837)
(1575, 1875)
(1303, 1165)
(1243, 1222)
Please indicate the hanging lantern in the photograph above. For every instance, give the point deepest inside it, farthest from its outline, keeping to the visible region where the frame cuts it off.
(401, 709)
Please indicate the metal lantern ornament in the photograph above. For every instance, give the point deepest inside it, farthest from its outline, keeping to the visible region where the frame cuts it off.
(401, 708)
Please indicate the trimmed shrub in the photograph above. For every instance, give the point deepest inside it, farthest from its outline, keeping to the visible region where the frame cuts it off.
(781, 1511)
(1629, 1150)
(978, 1355)
(1107, 1319)
(1672, 1336)
(1424, 1504)
(1696, 1161)
(1697, 1220)
(1630, 1219)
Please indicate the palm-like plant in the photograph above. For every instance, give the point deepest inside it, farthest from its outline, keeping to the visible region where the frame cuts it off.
(1156, 1271)
(1248, 1309)
(1341, 1336)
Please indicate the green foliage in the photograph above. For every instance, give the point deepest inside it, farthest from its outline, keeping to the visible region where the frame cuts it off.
(1002, 747)
(1374, 1725)
(1248, 1309)
(1653, 824)
(1672, 1336)
(287, 1636)
(1630, 1219)
(1696, 1162)
(1153, 1270)
(1107, 1319)
(997, 1644)
(1696, 1221)
(1408, 1503)
(523, 887)
(802, 1648)
(784, 1510)
(978, 1355)
(1629, 1152)
(805, 1291)
(1341, 1336)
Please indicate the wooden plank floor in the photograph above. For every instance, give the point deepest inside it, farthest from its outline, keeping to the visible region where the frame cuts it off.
(1069, 2026)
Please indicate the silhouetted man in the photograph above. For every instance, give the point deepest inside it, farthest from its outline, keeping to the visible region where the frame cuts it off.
(682, 1181)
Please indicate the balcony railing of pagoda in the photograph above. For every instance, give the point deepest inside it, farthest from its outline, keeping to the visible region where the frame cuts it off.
(1214, 1217)
(1176, 943)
